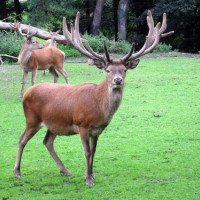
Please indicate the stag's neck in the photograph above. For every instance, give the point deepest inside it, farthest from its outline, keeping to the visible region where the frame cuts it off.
(24, 56)
(52, 43)
(109, 99)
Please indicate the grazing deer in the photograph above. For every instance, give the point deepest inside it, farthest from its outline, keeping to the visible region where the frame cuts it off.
(33, 57)
(52, 42)
(84, 109)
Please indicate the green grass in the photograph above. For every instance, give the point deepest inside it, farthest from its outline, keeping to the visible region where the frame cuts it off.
(150, 150)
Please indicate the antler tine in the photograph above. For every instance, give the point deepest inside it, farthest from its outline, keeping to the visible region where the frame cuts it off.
(156, 41)
(126, 57)
(14, 26)
(164, 24)
(66, 32)
(78, 39)
(167, 34)
(106, 52)
(100, 57)
(139, 53)
(74, 39)
(31, 35)
(77, 45)
(20, 30)
(150, 22)
(77, 33)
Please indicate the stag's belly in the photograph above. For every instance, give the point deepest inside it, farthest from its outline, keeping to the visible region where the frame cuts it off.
(73, 129)
(44, 67)
(61, 129)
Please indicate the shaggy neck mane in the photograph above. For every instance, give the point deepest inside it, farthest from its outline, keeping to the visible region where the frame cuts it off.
(109, 99)
(24, 56)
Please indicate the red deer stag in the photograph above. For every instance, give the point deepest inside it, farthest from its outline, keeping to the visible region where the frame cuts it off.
(84, 109)
(33, 57)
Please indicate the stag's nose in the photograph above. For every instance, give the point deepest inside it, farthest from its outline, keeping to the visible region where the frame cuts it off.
(118, 81)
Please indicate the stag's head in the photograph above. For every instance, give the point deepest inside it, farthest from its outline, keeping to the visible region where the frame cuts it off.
(116, 69)
(54, 35)
(28, 43)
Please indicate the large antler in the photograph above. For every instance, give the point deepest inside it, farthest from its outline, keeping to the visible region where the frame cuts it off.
(74, 39)
(16, 26)
(152, 39)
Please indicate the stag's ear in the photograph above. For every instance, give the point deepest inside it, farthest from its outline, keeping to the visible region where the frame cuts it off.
(132, 64)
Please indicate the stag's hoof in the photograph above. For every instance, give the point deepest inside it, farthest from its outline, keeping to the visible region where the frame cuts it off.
(17, 174)
(65, 173)
(89, 183)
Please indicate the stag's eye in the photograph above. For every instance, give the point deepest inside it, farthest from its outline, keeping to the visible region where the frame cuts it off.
(107, 70)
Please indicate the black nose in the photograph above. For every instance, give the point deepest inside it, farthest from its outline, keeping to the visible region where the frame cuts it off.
(118, 81)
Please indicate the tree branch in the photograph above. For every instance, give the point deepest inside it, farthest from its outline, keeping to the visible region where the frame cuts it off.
(40, 33)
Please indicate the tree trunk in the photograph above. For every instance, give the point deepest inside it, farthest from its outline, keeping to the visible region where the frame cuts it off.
(39, 33)
(18, 10)
(3, 10)
(87, 12)
(122, 18)
(97, 17)
(115, 7)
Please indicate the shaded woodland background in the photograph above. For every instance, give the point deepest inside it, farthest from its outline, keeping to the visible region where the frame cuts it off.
(115, 19)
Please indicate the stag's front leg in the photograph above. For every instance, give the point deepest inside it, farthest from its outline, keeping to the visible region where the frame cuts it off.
(34, 73)
(93, 144)
(85, 141)
(23, 83)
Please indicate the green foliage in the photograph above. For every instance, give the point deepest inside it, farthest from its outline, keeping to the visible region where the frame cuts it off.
(69, 51)
(150, 150)
(48, 14)
(163, 48)
(10, 44)
(97, 43)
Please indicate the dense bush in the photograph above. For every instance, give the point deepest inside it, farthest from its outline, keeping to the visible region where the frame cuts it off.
(96, 42)
(163, 48)
(69, 51)
(10, 44)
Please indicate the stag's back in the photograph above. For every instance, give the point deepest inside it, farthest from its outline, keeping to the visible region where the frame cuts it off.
(46, 57)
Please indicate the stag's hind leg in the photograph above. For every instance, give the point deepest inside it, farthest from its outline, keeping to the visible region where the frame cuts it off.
(25, 137)
(63, 72)
(48, 142)
(54, 73)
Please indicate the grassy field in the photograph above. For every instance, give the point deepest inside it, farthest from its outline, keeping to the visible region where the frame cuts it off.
(150, 150)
